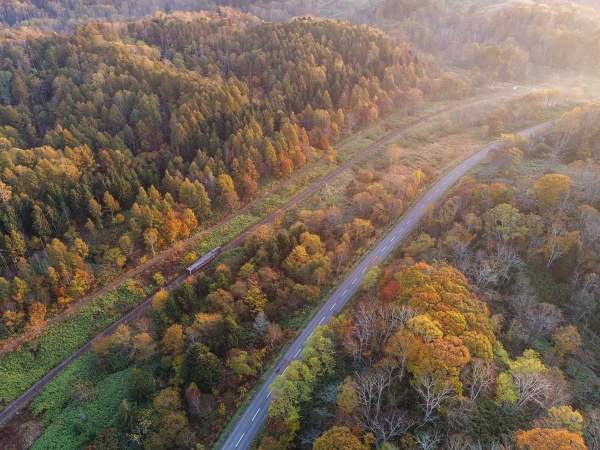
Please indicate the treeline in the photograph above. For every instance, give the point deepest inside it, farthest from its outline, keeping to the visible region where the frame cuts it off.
(120, 137)
(510, 40)
(428, 364)
(61, 15)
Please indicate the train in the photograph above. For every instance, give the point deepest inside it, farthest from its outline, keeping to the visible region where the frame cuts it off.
(200, 263)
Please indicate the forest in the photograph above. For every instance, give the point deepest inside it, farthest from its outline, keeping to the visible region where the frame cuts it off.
(482, 331)
(510, 40)
(174, 377)
(128, 128)
(119, 140)
(34, 16)
(114, 150)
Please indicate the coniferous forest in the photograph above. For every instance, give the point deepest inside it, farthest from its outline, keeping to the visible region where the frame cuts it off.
(122, 139)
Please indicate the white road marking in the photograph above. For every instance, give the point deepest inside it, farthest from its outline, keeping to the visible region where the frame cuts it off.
(353, 282)
(332, 306)
(310, 335)
(240, 440)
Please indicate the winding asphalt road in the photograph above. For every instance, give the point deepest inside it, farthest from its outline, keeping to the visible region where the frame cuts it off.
(250, 421)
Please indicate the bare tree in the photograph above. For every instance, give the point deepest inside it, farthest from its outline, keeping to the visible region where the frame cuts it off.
(261, 323)
(308, 437)
(457, 442)
(479, 377)
(434, 393)
(533, 320)
(545, 390)
(429, 440)
(392, 317)
(363, 333)
(582, 306)
(507, 262)
(370, 388)
(385, 423)
(459, 413)
(329, 393)
(483, 272)
(591, 429)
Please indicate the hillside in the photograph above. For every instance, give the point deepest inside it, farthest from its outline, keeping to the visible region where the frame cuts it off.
(59, 15)
(124, 136)
(507, 39)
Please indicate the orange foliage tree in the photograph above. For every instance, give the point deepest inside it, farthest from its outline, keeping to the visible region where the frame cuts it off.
(549, 439)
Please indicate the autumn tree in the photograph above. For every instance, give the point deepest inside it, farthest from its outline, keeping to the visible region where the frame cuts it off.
(550, 188)
(36, 321)
(550, 439)
(226, 194)
(151, 238)
(173, 342)
(111, 204)
(338, 438)
(256, 300)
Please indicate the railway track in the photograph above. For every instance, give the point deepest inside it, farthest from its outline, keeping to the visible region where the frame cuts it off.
(13, 408)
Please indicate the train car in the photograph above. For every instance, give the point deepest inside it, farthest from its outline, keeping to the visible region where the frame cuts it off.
(199, 264)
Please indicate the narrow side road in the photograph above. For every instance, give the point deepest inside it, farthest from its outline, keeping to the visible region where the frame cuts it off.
(250, 421)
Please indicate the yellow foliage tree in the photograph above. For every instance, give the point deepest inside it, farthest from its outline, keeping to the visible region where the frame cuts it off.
(550, 188)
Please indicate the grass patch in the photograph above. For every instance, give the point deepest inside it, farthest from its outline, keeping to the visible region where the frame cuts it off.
(59, 392)
(19, 370)
(80, 422)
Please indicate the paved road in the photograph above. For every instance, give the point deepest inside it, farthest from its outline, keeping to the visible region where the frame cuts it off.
(249, 423)
(11, 409)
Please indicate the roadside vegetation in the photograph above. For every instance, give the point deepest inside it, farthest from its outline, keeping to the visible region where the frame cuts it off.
(503, 355)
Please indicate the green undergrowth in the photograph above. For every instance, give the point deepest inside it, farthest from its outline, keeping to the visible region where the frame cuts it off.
(57, 394)
(81, 421)
(19, 370)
